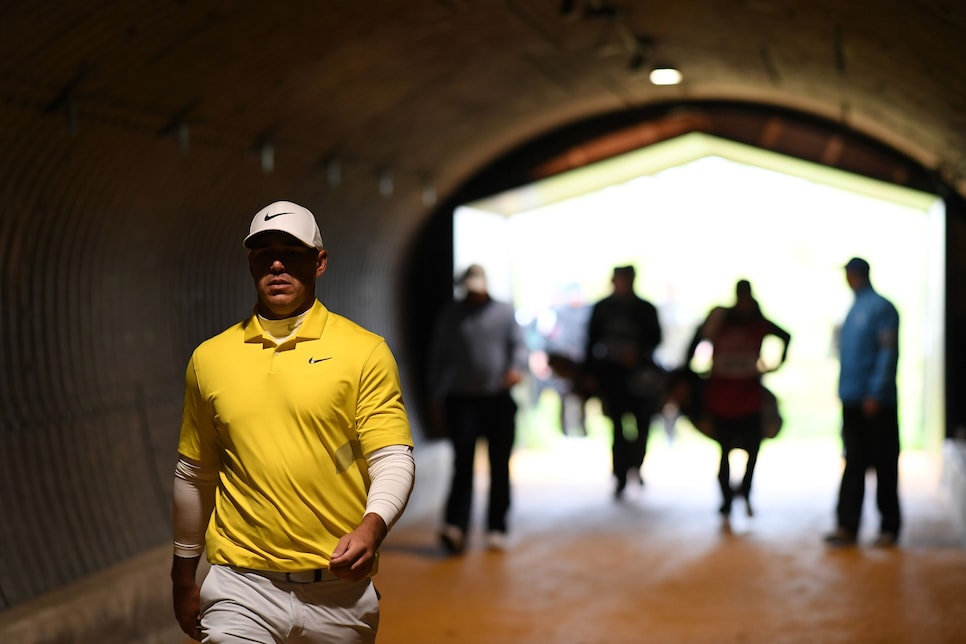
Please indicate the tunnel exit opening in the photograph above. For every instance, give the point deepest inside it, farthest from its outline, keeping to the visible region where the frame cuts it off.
(695, 214)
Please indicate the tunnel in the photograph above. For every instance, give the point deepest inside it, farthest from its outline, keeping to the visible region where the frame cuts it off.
(138, 140)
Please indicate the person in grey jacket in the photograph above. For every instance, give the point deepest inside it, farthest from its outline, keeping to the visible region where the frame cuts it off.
(478, 353)
(869, 356)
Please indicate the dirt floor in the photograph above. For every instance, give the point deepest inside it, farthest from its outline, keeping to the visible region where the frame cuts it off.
(661, 566)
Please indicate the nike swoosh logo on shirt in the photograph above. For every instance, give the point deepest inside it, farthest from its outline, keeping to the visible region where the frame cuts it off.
(316, 360)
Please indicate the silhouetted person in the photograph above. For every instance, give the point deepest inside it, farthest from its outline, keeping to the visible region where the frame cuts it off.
(869, 356)
(477, 355)
(734, 397)
(622, 335)
(565, 345)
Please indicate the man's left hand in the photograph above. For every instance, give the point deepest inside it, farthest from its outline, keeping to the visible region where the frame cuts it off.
(355, 554)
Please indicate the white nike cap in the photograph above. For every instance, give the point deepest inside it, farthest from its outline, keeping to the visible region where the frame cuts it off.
(286, 217)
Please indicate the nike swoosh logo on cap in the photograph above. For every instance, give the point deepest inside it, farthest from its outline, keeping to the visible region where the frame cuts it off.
(278, 214)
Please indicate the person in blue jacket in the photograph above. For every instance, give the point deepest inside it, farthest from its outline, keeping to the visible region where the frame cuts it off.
(869, 356)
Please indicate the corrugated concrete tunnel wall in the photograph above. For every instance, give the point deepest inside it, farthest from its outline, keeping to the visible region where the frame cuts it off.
(118, 254)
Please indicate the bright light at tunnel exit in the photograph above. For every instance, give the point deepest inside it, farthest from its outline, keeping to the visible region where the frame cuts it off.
(696, 214)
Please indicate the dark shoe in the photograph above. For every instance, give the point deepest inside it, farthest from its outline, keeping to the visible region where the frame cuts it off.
(841, 538)
(743, 494)
(619, 486)
(725, 509)
(453, 540)
(634, 474)
(748, 509)
(886, 540)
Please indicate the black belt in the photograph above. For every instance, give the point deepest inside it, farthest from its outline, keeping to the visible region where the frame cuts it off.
(300, 577)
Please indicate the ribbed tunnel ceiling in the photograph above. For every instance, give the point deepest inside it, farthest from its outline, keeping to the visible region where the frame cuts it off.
(433, 89)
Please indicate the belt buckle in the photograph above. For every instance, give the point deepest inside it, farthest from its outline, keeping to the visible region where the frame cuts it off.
(304, 576)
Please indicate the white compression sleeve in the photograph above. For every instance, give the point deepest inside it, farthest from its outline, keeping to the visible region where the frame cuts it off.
(194, 496)
(392, 470)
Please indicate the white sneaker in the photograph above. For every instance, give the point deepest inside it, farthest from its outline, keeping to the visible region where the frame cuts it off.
(496, 541)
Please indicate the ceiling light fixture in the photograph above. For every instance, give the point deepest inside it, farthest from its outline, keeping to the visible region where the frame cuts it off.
(266, 154)
(386, 183)
(183, 136)
(429, 194)
(333, 172)
(665, 75)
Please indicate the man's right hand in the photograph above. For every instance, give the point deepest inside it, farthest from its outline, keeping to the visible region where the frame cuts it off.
(186, 595)
(187, 609)
(870, 407)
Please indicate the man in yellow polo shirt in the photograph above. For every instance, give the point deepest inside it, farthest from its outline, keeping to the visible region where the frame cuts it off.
(295, 458)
